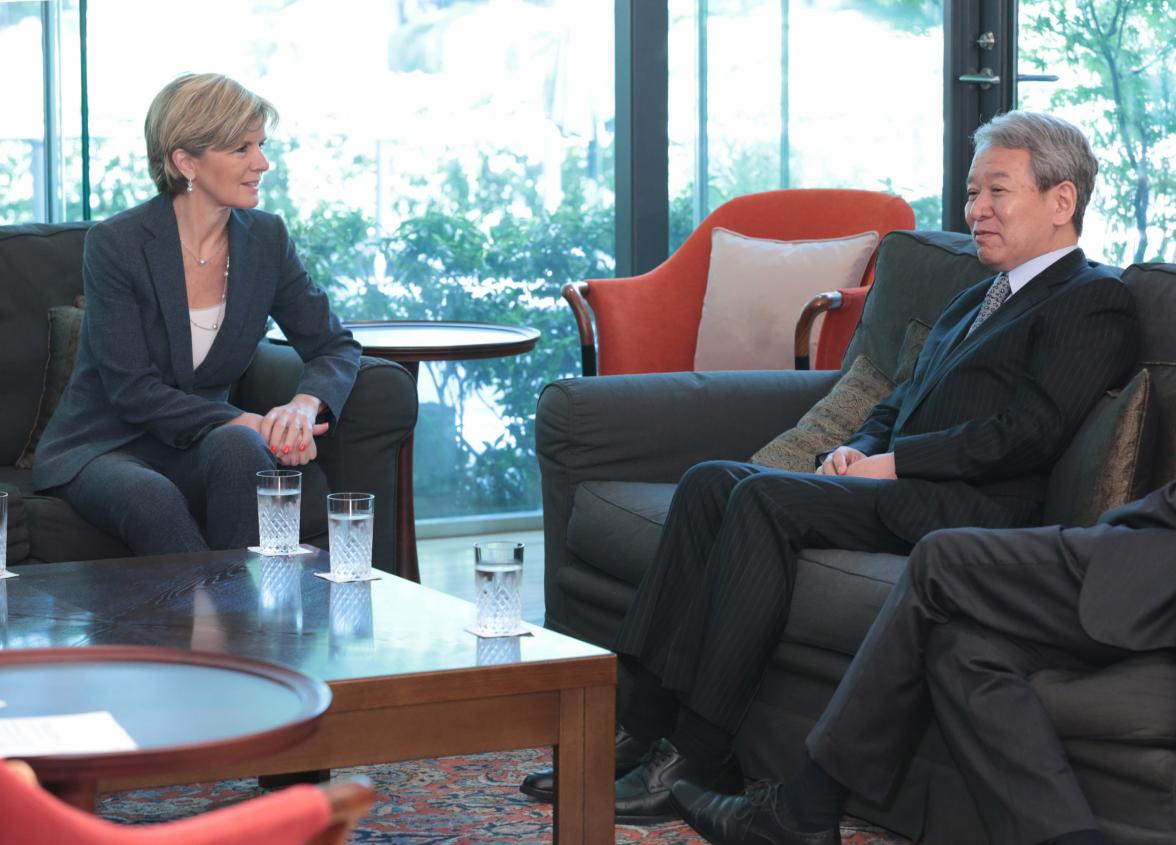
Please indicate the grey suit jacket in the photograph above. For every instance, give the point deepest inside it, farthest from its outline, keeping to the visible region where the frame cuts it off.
(1128, 594)
(134, 376)
(980, 423)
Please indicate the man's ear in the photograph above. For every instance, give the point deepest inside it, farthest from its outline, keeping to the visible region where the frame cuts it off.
(1065, 200)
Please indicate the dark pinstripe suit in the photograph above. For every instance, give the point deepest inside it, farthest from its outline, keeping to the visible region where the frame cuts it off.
(974, 432)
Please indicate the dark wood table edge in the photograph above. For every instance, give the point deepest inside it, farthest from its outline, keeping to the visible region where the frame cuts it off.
(74, 777)
(527, 338)
(581, 734)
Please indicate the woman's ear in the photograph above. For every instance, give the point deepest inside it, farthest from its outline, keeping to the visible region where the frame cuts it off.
(185, 163)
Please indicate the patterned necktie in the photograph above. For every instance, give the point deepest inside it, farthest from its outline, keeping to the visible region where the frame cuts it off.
(998, 292)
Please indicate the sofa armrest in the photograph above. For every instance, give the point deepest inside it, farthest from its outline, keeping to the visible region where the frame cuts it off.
(362, 450)
(651, 427)
(655, 426)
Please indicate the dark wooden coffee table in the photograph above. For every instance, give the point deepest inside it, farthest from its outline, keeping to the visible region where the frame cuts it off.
(183, 709)
(407, 681)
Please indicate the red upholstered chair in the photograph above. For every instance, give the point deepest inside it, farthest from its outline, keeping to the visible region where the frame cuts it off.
(299, 815)
(649, 323)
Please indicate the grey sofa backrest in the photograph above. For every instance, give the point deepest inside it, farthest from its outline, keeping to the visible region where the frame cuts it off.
(40, 266)
(918, 273)
(1154, 287)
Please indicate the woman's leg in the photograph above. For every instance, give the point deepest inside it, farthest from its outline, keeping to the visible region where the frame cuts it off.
(122, 494)
(221, 482)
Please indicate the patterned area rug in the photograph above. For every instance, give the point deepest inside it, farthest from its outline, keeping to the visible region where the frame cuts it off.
(449, 801)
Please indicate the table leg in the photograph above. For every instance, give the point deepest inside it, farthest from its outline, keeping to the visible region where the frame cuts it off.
(406, 548)
(584, 797)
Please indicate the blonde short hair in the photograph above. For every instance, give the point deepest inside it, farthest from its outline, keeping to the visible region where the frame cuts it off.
(196, 112)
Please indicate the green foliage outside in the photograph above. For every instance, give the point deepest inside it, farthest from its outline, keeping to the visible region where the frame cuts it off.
(1121, 53)
(459, 257)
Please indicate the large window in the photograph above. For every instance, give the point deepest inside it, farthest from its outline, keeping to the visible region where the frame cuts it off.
(1116, 69)
(455, 158)
(777, 93)
(22, 113)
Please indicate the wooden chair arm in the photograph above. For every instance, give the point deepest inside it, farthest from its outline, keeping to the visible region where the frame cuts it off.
(830, 300)
(575, 293)
(350, 800)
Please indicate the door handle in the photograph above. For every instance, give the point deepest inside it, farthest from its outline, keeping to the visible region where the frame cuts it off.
(985, 78)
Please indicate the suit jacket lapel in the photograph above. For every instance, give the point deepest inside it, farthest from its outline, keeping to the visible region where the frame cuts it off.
(1040, 288)
(238, 301)
(165, 261)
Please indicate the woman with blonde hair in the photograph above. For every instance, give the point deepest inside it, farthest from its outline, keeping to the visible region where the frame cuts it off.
(145, 443)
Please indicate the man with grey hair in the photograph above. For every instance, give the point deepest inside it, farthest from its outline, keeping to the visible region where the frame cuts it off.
(940, 639)
(1008, 372)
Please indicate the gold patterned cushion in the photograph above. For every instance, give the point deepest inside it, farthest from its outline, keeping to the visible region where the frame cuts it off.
(829, 422)
(65, 330)
(1108, 461)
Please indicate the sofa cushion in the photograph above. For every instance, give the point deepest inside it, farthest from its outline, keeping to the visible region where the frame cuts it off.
(1154, 288)
(1129, 701)
(1109, 460)
(838, 593)
(830, 422)
(65, 331)
(756, 289)
(617, 524)
(917, 274)
(38, 269)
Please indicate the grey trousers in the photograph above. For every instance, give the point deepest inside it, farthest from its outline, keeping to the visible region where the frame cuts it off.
(156, 497)
(974, 615)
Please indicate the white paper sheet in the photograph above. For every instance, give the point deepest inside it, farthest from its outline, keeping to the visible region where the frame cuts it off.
(76, 733)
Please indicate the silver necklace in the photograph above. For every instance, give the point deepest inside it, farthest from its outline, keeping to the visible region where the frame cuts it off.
(220, 312)
(202, 261)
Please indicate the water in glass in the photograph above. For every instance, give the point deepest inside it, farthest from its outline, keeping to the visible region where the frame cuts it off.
(351, 543)
(277, 520)
(498, 583)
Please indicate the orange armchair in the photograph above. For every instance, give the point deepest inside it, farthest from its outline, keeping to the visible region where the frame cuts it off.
(649, 323)
(299, 815)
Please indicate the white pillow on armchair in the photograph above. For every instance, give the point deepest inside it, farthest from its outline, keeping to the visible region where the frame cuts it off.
(756, 289)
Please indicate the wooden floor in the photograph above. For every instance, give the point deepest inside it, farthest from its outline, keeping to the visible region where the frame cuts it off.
(447, 564)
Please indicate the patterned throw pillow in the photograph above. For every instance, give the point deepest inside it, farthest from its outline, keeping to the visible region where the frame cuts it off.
(1108, 461)
(65, 330)
(829, 422)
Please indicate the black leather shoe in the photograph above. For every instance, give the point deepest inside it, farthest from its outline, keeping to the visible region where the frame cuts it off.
(759, 817)
(643, 795)
(629, 751)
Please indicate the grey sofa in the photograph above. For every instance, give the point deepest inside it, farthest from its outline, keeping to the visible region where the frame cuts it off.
(41, 267)
(612, 448)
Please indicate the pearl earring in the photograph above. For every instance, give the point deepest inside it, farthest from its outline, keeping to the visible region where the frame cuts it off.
(189, 186)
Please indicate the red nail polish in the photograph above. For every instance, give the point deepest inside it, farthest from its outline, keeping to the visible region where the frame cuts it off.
(285, 450)
(302, 448)
(274, 449)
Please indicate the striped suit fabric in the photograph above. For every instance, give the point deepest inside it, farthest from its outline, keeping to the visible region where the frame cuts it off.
(974, 433)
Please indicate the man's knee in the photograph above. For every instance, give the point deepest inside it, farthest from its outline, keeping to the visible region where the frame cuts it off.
(940, 550)
(711, 480)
